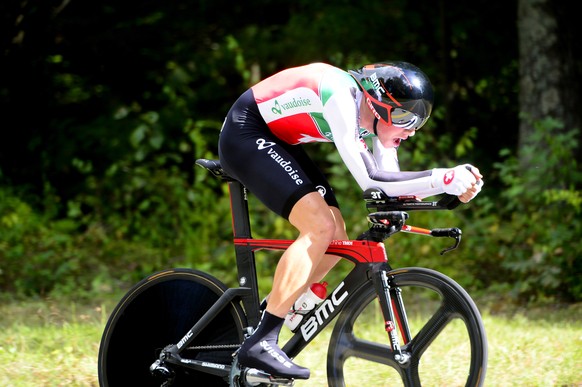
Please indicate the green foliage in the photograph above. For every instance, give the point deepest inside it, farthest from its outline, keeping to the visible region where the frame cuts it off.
(536, 241)
(109, 105)
(85, 256)
(44, 256)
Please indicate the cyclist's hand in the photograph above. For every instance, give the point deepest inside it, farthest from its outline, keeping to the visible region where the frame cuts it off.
(464, 181)
(475, 187)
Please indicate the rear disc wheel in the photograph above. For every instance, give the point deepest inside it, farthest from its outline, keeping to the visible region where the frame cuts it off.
(159, 311)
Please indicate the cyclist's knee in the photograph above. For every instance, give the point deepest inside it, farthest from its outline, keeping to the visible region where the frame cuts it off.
(311, 215)
(322, 228)
(340, 226)
(326, 230)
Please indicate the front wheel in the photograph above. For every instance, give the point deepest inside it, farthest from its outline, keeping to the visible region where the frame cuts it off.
(159, 311)
(447, 344)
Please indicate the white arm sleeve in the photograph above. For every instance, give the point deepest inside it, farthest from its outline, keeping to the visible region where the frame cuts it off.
(386, 158)
(341, 114)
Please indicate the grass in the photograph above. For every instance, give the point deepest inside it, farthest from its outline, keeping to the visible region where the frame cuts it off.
(49, 344)
(55, 343)
(535, 347)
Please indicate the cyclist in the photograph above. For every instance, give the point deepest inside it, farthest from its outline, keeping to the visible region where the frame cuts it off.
(259, 146)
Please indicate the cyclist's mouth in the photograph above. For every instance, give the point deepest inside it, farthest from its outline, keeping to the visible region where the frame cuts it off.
(397, 142)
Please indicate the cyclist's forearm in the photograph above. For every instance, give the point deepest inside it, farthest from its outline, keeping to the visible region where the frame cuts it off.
(399, 183)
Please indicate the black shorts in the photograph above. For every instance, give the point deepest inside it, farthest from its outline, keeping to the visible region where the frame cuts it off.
(277, 173)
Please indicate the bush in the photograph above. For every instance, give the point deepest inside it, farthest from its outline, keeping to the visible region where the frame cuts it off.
(44, 256)
(537, 238)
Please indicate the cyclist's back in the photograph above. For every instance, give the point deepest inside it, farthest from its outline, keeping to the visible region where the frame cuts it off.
(292, 102)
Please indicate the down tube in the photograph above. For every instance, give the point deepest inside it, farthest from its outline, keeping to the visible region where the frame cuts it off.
(316, 321)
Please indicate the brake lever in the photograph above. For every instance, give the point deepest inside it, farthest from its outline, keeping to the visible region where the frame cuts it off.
(453, 232)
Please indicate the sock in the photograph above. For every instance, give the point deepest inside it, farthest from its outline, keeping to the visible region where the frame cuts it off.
(262, 352)
(263, 305)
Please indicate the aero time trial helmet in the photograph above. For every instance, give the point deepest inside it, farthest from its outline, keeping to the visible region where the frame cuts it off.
(398, 93)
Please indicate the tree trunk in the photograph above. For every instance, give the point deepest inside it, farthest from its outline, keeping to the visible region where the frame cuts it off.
(550, 68)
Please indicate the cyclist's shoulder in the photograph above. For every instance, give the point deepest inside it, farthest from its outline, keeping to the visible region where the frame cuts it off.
(314, 69)
(317, 72)
(327, 72)
(336, 82)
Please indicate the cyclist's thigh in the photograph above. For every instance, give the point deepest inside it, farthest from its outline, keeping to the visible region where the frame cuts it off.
(316, 176)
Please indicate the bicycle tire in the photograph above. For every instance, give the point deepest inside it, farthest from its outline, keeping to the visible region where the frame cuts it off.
(158, 311)
(353, 347)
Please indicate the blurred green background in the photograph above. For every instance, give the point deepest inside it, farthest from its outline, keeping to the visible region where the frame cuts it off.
(106, 105)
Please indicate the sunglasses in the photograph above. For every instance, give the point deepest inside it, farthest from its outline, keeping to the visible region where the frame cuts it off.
(390, 115)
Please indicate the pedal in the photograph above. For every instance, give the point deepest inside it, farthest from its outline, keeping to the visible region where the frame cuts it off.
(247, 377)
(254, 377)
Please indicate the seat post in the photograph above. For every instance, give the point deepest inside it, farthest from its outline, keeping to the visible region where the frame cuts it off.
(241, 225)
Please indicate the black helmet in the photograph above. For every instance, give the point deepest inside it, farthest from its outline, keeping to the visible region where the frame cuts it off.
(398, 93)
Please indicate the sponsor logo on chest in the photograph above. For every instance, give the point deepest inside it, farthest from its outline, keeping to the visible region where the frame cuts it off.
(296, 101)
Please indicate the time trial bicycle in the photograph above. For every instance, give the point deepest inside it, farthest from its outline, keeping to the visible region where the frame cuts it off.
(182, 327)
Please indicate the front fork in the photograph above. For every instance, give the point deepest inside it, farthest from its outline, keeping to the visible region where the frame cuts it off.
(394, 314)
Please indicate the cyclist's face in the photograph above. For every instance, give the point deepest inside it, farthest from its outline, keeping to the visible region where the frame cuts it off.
(390, 136)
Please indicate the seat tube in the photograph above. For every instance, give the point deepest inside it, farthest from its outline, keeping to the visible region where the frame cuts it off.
(245, 256)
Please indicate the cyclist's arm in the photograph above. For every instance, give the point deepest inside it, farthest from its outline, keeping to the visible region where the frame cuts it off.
(341, 115)
(384, 166)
